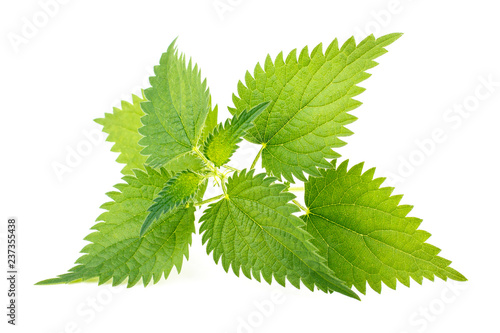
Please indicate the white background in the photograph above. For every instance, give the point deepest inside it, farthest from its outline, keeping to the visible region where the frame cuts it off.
(91, 54)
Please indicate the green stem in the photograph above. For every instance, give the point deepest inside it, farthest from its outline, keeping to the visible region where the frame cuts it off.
(296, 189)
(258, 156)
(230, 168)
(300, 206)
(209, 200)
(223, 185)
(207, 162)
(212, 167)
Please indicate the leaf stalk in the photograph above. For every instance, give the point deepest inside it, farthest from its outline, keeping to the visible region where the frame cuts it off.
(204, 202)
(258, 156)
(300, 206)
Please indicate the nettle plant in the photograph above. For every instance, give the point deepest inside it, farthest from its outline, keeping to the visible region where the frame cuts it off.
(351, 231)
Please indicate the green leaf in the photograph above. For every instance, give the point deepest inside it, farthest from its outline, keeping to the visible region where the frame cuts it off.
(210, 123)
(253, 228)
(175, 113)
(310, 100)
(177, 192)
(223, 142)
(365, 234)
(122, 126)
(117, 252)
(191, 161)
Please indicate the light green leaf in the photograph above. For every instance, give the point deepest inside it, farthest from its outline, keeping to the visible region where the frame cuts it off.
(176, 192)
(191, 161)
(310, 99)
(117, 252)
(253, 228)
(122, 126)
(210, 123)
(223, 142)
(365, 234)
(176, 110)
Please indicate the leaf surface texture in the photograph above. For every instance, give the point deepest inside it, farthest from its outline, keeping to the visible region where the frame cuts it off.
(365, 234)
(253, 229)
(117, 252)
(310, 99)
